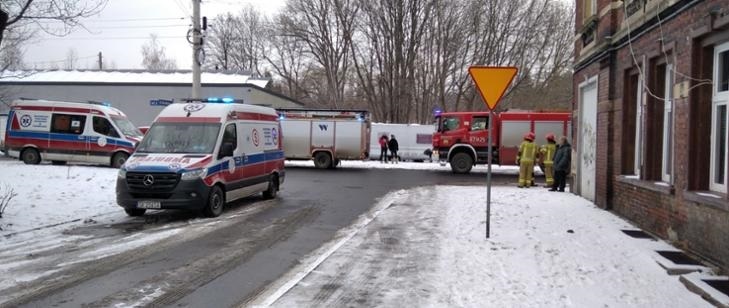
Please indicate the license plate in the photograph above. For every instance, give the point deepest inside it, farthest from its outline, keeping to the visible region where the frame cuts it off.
(149, 204)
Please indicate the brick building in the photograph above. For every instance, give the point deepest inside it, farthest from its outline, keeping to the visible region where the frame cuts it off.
(651, 89)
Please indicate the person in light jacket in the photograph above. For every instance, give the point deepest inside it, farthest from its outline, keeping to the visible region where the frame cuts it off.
(562, 164)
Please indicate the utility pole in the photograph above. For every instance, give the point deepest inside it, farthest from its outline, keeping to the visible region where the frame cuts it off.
(196, 48)
(101, 63)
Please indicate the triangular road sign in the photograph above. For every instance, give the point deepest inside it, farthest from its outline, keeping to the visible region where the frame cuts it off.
(492, 82)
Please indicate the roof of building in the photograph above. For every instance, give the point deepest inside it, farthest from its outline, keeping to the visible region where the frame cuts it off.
(130, 77)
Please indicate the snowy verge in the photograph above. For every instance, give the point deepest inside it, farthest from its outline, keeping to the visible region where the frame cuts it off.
(49, 195)
(373, 164)
(546, 250)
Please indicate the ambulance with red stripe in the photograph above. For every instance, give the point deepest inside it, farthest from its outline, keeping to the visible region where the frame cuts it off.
(61, 132)
(200, 155)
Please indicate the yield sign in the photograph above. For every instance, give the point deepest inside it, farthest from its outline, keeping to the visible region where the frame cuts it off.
(492, 82)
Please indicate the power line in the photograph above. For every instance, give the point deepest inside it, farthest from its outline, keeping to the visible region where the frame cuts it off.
(132, 27)
(117, 20)
(112, 38)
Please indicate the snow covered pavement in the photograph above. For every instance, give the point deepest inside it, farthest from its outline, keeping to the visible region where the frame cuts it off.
(427, 248)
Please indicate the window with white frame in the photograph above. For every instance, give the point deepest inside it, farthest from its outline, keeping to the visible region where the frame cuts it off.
(667, 162)
(719, 119)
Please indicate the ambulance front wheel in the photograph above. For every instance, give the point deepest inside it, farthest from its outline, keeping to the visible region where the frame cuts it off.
(272, 190)
(30, 156)
(119, 159)
(216, 200)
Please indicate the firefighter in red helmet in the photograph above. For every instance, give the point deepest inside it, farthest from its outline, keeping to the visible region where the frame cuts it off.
(547, 153)
(525, 159)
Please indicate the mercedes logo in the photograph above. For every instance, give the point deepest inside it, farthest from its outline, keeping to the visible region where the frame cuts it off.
(148, 180)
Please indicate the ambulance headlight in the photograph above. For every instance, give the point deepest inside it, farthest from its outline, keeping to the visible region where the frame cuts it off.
(194, 174)
(122, 173)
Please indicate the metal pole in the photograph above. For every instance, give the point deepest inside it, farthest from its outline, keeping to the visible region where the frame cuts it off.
(488, 175)
(196, 48)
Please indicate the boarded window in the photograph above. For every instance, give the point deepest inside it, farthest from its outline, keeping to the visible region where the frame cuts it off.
(68, 124)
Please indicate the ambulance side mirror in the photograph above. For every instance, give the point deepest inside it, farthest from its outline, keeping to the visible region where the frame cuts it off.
(226, 150)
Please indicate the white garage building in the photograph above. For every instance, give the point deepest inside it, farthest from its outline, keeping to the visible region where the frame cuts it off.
(138, 93)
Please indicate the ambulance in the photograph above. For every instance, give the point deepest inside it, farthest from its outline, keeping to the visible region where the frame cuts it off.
(61, 132)
(199, 155)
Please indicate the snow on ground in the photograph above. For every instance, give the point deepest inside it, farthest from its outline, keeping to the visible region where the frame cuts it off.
(547, 249)
(50, 195)
(373, 164)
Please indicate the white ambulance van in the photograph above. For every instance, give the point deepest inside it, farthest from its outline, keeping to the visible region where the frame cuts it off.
(63, 132)
(200, 155)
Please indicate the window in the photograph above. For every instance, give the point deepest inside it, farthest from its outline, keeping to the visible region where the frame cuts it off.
(126, 127)
(667, 161)
(451, 123)
(480, 123)
(229, 136)
(190, 138)
(589, 8)
(632, 123)
(68, 123)
(719, 119)
(104, 127)
(638, 156)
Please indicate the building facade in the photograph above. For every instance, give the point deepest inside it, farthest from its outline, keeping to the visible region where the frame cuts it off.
(140, 94)
(651, 88)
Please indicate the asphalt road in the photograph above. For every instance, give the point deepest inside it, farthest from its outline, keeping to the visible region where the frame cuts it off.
(257, 242)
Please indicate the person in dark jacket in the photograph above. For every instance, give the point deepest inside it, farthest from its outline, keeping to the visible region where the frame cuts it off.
(383, 149)
(562, 164)
(393, 146)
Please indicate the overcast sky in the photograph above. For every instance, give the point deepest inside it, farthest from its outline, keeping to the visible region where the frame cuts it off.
(121, 29)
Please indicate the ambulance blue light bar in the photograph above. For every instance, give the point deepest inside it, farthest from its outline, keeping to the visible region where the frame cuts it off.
(224, 100)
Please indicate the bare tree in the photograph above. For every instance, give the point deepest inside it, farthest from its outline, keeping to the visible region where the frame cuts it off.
(6, 195)
(239, 42)
(386, 52)
(221, 41)
(154, 57)
(18, 13)
(11, 56)
(71, 61)
(404, 58)
(325, 27)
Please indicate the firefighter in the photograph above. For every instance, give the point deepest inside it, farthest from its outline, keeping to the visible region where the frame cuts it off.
(547, 157)
(525, 159)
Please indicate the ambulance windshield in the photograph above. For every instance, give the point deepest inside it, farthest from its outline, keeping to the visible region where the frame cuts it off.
(195, 138)
(126, 127)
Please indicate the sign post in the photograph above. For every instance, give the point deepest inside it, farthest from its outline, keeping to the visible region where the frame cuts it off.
(491, 82)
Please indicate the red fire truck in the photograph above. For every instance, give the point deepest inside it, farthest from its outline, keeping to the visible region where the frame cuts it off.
(461, 137)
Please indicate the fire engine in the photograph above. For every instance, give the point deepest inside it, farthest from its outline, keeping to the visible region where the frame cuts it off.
(461, 138)
(325, 135)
